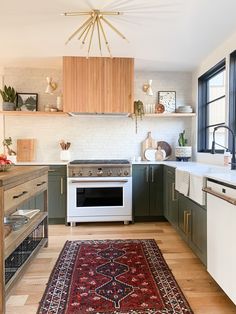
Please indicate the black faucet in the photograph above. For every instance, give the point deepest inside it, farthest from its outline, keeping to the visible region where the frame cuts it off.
(233, 163)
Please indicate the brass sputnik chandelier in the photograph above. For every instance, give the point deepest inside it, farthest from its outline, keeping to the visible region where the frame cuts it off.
(96, 19)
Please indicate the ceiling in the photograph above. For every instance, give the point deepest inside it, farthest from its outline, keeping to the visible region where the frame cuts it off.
(163, 34)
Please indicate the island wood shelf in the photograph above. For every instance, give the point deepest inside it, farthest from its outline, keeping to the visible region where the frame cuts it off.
(10, 181)
(14, 239)
(34, 113)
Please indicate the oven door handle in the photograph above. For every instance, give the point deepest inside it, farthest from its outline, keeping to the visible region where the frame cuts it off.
(100, 181)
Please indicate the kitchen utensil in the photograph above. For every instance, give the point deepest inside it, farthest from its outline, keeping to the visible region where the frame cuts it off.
(166, 147)
(150, 154)
(149, 142)
(26, 149)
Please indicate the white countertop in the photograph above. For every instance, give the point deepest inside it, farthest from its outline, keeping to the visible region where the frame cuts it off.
(220, 173)
(41, 163)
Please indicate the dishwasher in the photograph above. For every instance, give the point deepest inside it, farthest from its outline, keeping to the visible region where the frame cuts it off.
(221, 235)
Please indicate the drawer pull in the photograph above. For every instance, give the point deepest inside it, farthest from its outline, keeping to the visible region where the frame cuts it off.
(43, 182)
(51, 170)
(19, 195)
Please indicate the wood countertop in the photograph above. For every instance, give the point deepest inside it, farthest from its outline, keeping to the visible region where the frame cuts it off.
(20, 174)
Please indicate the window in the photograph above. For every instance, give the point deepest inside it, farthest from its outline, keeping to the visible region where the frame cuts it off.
(212, 108)
(232, 94)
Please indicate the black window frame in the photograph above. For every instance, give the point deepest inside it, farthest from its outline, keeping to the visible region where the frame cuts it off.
(202, 106)
(232, 95)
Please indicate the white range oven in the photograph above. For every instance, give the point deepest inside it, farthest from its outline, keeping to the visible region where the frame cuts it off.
(99, 190)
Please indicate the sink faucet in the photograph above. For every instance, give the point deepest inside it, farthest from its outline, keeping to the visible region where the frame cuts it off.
(233, 163)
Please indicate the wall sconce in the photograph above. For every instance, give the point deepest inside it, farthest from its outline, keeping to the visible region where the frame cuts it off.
(147, 88)
(51, 86)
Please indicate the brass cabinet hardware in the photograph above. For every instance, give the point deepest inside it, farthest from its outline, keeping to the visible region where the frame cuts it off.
(51, 170)
(19, 195)
(185, 221)
(39, 184)
(147, 174)
(188, 215)
(152, 172)
(62, 186)
(173, 192)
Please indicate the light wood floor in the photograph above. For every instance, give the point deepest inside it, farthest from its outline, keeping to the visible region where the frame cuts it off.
(203, 294)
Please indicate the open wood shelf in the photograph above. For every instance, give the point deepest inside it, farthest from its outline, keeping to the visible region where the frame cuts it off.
(170, 115)
(15, 238)
(34, 113)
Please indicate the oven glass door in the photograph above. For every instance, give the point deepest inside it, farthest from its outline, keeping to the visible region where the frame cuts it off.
(99, 196)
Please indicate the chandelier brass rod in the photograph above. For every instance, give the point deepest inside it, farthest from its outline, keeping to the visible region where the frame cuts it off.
(87, 32)
(114, 28)
(111, 13)
(76, 13)
(104, 36)
(85, 29)
(99, 37)
(79, 29)
(91, 36)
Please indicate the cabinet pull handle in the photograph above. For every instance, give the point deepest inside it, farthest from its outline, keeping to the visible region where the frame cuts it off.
(147, 175)
(152, 172)
(173, 192)
(39, 184)
(19, 195)
(51, 170)
(62, 186)
(187, 223)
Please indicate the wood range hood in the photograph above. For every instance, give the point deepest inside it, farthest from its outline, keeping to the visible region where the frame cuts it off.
(98, 86)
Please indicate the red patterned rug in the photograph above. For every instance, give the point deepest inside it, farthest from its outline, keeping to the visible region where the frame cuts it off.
(112, 277)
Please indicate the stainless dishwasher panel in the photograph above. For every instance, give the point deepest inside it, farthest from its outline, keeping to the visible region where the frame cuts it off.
(221, 236)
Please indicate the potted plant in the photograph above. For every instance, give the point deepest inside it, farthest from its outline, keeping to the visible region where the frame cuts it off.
(183, 152)
(11, 154)
(138, 112)
(8, 97)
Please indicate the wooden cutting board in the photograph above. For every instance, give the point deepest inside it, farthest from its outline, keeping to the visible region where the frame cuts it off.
(149, 142)
(26, 149)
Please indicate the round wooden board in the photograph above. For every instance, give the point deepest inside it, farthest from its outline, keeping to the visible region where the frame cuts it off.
(166, 147)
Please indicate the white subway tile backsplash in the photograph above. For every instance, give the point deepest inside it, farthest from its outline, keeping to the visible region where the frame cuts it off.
(96, 136)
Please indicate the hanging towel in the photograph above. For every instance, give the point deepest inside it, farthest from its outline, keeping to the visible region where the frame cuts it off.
(182, 181)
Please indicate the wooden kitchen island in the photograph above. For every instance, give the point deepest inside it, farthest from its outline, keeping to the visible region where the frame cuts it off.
(20, 185)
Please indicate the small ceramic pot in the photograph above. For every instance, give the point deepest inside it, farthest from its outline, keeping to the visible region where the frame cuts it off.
(65, 155)
(8, 106)
(183, 153)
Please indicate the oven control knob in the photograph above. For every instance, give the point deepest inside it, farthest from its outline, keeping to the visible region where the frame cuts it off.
(126, 172)
(99, 172)
(120, 173)
(109, 173)
(80, 173)
(90, 173)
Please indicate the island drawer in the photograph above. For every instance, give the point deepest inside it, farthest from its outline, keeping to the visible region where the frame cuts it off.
(20, 193)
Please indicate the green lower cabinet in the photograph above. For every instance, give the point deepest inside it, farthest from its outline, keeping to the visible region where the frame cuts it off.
(193, 226)
(170, 196)
(147, 192)
(57, 194)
